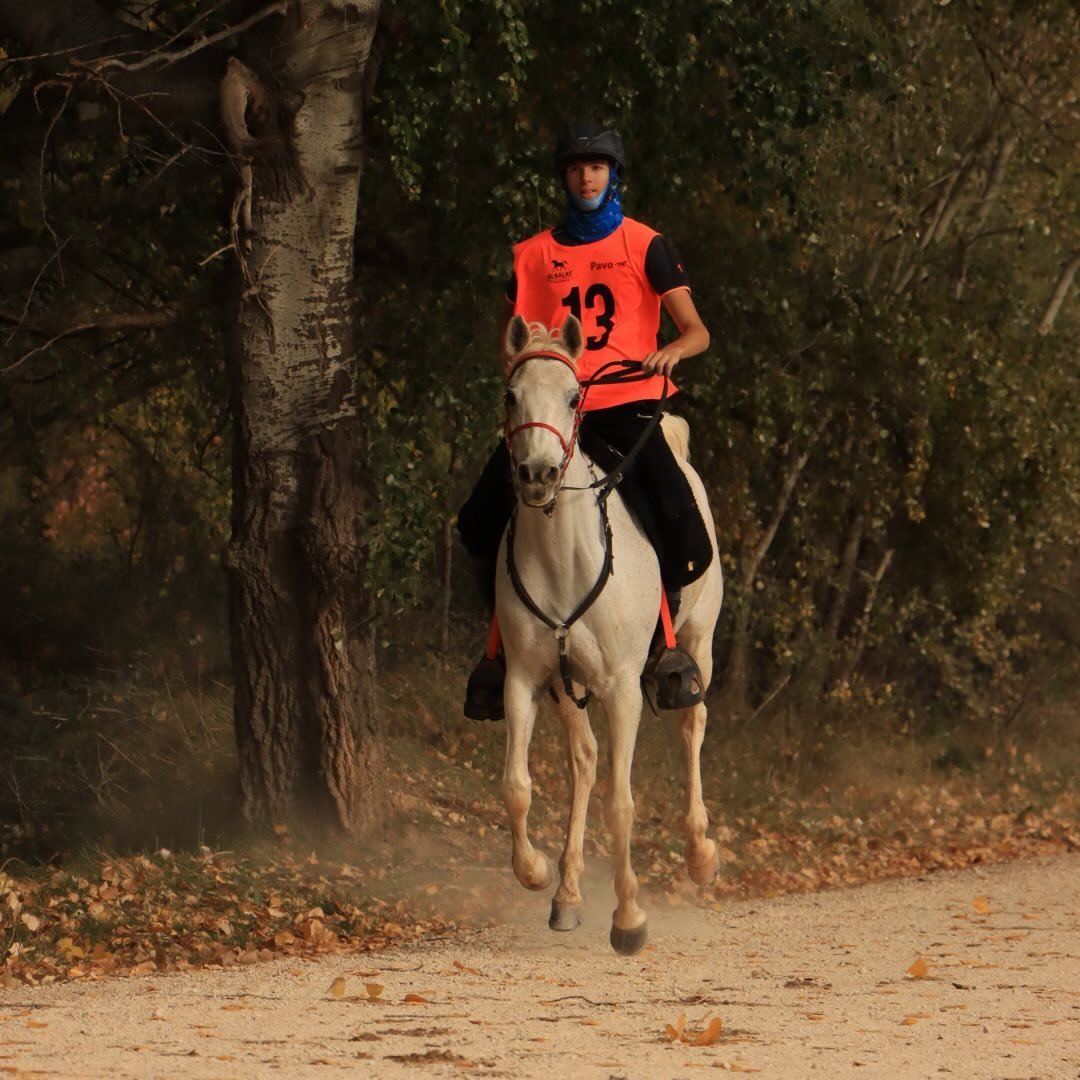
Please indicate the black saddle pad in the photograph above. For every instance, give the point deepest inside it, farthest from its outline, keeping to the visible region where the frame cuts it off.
(607, 457)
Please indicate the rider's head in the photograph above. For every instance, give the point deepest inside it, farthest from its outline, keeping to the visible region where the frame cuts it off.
(590, 160)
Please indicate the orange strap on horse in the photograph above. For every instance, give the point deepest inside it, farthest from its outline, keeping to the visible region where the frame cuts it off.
(494, 639)
(665, 621)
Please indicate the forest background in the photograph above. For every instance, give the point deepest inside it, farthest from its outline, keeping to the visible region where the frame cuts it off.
(878, 204)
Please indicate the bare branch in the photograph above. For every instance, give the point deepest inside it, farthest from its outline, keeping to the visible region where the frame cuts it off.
(165, 59)
(124, 320)
(30, 293)
(1057, 297)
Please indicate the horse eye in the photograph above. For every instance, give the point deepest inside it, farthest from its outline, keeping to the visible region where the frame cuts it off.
(508, 399)
(575, 400)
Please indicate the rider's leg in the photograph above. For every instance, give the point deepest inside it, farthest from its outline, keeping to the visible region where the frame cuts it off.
(481, 523)
(683, 544)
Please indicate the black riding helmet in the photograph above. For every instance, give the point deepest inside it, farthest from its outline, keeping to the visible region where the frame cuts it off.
(585, 141)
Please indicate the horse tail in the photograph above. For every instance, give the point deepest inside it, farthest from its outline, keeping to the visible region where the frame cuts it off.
(677, 432)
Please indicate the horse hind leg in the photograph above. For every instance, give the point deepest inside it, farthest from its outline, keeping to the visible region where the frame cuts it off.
(702, 862)
(531, 866)
(581, 757)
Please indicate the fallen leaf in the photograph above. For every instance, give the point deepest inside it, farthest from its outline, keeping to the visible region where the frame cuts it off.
(920, 969)
(710, 1035)
(374, 990)
(416, 999)
(31, 922)
(981, 905)
(675, 1033)
(337, 987)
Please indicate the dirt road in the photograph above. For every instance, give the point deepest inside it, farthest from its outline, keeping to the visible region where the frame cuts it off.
(973, 974)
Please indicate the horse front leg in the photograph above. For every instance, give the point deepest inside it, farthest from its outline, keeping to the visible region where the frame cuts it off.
(629, 931)
(581, 758)
(531, 867)
(701, 858)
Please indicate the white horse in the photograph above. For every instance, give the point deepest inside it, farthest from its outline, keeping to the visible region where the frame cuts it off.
(558, 555)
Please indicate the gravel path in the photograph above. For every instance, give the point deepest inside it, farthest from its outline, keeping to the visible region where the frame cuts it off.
(802, 986)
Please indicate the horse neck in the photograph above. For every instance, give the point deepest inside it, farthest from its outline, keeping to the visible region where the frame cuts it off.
(571, 535)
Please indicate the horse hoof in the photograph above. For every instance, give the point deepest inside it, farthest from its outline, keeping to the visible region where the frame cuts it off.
(628, 942)
(565, 916)
(547, 874)
(703, 870)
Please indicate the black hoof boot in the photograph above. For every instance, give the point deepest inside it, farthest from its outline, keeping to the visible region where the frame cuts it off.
(484, 692)
(677, 679)
(564, 916)
(628, 942)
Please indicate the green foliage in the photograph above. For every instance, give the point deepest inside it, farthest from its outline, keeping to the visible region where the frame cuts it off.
(875, 203)
(796, 153)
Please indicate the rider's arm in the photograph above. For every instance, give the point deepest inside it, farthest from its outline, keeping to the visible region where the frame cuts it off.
(665, 271)
(693, 335)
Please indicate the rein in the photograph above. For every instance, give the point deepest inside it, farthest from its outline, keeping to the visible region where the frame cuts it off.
(630, 371)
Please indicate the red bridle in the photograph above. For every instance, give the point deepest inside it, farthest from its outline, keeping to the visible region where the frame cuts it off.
(566, 444)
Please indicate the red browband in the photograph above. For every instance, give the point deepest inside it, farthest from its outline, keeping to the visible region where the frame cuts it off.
(567, 447)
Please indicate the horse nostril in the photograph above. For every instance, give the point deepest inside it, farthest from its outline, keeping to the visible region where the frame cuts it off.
(551, 474)
(524, 474)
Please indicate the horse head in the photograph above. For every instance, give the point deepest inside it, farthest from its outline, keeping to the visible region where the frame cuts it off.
(543, 401)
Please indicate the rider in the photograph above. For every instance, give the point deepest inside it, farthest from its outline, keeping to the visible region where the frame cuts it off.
(613, 273)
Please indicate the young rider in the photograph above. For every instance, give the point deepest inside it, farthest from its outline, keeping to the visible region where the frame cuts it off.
(613, 273)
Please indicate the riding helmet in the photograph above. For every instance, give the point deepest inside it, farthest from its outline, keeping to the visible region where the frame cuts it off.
(588, 140)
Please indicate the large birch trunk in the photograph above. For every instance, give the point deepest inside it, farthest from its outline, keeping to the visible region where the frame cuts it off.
(306, 725)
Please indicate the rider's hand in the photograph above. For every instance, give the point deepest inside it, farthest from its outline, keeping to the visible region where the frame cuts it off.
(663, 361)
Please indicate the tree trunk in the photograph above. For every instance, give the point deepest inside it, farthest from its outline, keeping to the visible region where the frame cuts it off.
(302, 638)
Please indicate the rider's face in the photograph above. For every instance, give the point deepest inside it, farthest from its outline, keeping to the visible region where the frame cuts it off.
(587, 179)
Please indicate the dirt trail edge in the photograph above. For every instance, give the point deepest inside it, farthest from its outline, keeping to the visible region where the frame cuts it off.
(973, 974)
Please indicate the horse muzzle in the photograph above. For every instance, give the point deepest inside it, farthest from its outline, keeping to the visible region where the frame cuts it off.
(537, 485)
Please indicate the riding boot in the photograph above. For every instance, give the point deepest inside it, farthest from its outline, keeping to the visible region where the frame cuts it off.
(674, 674)
(484, 690)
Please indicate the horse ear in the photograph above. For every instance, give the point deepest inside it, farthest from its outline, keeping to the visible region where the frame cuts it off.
(571, 336)
(517, 336)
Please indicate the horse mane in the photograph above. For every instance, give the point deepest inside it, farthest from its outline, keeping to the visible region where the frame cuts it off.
(541, 338)
(677, 433)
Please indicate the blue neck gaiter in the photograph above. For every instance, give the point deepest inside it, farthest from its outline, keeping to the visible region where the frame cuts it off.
(585, 222)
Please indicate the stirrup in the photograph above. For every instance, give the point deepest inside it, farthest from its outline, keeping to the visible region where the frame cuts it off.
(484, 692)
(677, 679)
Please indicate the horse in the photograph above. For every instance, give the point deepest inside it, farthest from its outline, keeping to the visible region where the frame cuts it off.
(577, 609)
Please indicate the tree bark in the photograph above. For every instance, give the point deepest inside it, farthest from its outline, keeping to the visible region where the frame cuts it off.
(303, 651)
